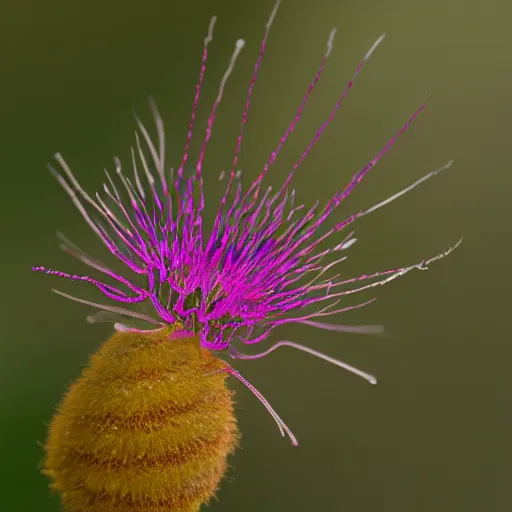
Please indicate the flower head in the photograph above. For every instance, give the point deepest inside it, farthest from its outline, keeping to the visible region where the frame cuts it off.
(259, 267)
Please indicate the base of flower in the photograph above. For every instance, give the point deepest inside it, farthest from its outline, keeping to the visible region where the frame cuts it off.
(147, 427)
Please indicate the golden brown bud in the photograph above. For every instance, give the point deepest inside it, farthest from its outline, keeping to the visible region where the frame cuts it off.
(146, 428)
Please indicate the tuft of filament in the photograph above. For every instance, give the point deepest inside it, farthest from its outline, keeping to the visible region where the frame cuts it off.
(149, 424)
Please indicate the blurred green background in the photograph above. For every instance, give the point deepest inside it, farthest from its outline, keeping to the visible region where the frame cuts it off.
(435, 433)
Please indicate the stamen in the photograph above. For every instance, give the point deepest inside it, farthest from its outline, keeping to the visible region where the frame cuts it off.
(95, 226)
(75, 251)
(125, 328)
(338, 103)
(112, 309)
(78, 253)
(119, 172)
(149, 176)
(251, 87)
(108, 290)
(158, 156)
(273, 14)
(70, 192)
(391, 276)
(291, 127)
(344, 246)
(207, 40)
(405, 190)
(238, 48)
(280, 423)
(357, 329)
(106, 317)
(140, 188)
(284, 343)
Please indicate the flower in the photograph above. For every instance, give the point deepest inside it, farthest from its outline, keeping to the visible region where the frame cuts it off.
(261, 264)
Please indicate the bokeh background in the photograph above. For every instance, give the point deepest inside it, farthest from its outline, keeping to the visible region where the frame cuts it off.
(434, 434)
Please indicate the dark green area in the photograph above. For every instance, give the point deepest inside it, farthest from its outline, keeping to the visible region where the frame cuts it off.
(434, 434)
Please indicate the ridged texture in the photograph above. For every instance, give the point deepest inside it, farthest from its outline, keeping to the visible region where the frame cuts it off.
(146, 428)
